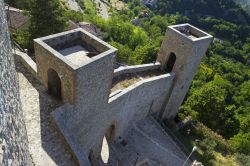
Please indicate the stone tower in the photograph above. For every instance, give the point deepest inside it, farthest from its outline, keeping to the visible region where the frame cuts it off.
(181, 53)
(13, 137)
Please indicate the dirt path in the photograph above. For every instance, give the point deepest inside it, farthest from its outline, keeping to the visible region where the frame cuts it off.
(103, 9)
(73, 5)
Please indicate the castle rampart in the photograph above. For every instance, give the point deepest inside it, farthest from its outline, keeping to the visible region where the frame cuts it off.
(79, 68)
(13, 136)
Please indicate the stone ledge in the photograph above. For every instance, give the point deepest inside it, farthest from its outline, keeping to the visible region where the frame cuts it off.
(25, 60)
(137, 68)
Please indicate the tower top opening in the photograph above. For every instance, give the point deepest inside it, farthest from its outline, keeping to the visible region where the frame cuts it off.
(76, 47)
(190, 32)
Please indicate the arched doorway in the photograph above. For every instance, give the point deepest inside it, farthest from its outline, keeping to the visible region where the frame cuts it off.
(101, 153)
(110, 134)
(54, 84)
(171, 62)
(107, 139)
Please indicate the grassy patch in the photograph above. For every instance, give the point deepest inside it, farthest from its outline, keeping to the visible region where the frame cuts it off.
(227, 160)
(212, 148)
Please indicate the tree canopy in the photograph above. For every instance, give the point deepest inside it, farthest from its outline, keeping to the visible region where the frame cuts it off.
(46, 18)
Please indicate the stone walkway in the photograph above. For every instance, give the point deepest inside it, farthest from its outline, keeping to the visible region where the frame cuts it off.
(45, 144)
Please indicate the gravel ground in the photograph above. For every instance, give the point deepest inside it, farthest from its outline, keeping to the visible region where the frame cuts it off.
(45, 144)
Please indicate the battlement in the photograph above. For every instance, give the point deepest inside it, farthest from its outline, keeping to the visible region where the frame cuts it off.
(190, 32)
(61, 56)
(76, 47)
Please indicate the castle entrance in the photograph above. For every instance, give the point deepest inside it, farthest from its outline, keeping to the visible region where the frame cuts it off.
(171, 62)
(54, 84)
(110, 135)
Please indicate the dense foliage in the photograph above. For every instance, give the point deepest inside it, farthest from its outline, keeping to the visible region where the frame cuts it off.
(245, 4)
(21, 4)
(46, 18)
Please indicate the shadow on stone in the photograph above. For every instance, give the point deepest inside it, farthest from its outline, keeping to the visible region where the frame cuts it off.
(51, 141)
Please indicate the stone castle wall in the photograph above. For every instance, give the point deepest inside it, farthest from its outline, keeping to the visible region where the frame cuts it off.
(96, 114)
(13, 137)
(138, 101)
(121, 110)
(91, 113)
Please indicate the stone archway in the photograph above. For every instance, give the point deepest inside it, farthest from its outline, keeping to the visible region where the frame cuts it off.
(110, 134)
(54, 84)
(171, 62)
(107, 139)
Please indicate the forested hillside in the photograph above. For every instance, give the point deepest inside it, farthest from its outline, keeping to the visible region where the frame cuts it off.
(245, 4)
(219, 98)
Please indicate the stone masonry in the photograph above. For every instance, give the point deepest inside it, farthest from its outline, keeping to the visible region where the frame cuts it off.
(188, 44)
(82, 69)
(79, 69)
(13, 136)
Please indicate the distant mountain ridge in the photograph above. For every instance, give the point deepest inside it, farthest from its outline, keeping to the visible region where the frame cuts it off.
(245, 1)
(245, 4)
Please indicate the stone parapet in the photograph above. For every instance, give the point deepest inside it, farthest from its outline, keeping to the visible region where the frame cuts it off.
(136, 68)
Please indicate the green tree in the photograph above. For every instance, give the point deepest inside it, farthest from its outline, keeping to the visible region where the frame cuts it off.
(46, 18)
(145, 54)
(124, 52)
(21, 4)
(137, 37)
(208, 104)
(243, 95)
(241, 142)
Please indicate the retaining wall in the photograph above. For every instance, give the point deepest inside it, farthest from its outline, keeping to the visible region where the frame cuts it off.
(13, 135)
